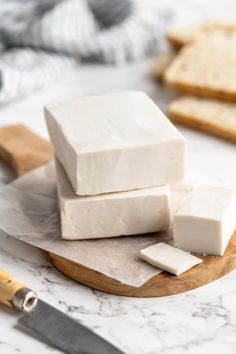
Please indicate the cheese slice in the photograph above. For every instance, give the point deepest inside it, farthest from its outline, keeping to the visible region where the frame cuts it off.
(115, 142)
(168, 258)
(205, 220)
(115, 214)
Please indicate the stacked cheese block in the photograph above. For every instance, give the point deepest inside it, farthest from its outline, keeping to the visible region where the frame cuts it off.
(115, 156)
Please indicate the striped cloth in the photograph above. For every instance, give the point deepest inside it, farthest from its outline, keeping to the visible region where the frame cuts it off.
(39, 39)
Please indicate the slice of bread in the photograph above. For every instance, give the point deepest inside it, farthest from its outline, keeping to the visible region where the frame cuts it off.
(178, 36)
(162, 62)
(207, 115)
(181, 35)
(206, 66)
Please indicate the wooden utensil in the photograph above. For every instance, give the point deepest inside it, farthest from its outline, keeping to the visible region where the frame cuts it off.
(22, 149)
(14, 293)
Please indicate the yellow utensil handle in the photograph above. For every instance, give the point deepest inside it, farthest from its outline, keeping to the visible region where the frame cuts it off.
(9, 285)
(14, 293)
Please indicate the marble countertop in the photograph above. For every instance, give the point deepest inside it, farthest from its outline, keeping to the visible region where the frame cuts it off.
(198, 321)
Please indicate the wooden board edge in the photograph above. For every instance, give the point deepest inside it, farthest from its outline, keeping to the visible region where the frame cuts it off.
(163, 284)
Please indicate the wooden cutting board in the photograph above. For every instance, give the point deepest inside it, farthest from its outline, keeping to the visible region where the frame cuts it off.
(23, 150)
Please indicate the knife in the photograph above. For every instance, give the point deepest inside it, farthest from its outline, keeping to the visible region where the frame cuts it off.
(50, 324)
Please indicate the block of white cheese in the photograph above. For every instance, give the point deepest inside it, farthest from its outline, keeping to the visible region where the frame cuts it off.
(115, 214)
(115, 142)
(168, 258)
(205, 220)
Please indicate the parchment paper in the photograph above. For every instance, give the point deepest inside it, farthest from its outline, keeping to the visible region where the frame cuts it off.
(28, 211)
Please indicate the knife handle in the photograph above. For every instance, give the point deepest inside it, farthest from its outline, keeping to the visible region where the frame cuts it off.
(14, 293)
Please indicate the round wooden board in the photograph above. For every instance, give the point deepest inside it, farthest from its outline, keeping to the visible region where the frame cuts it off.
(19, 147)
(160, 285)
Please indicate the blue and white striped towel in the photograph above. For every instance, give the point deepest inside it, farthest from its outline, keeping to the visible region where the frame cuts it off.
(41, 38)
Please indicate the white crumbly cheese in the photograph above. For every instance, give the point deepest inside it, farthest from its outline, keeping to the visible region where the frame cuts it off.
(168, 258)
(115, 214)
(206, 220)
(115, 142)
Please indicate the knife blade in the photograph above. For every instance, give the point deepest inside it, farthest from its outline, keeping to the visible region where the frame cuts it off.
(50, 324)
(63, 332)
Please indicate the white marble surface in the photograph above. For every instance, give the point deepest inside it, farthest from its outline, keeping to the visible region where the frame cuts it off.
(198, 321)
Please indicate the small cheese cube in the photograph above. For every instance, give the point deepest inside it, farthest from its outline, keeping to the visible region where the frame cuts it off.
(114, 214)
(205, 220)
(115, 142)
(168, 258)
